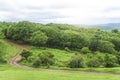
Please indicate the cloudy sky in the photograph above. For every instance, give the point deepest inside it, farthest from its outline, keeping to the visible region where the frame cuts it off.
(61, 11)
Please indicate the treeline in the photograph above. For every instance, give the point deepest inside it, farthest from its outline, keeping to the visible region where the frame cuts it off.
(64, 36)
(50, 35)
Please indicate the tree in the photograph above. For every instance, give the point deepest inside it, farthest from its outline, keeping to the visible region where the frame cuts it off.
(106, 47)
(115, 30)
(96, 60)
(53, 34)
(111, 60)
(100, 45)
(94, 41)
(116, 42)
(118, 57)
(20, 31)
(71, 39)
(38, 38)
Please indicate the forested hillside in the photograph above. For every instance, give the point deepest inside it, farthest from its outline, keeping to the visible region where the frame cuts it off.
(6, 51)
(91, 47)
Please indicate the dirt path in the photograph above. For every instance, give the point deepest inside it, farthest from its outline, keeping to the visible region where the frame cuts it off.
(14, 61)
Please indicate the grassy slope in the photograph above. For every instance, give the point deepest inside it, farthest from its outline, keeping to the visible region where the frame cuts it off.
(60, 55)
(64, 56)
(12, 73)
(10, 50)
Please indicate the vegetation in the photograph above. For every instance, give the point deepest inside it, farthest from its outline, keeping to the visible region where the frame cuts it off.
(89, 47)
(60, 46)
(8, 72)
(6, 51)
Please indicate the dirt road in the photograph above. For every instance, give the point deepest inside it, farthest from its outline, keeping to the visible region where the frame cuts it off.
(14, 60)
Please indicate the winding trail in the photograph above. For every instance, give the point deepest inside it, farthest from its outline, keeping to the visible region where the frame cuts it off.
(14, 61)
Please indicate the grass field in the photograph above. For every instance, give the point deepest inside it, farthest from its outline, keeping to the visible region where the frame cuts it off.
(11, 73)
(61, 55)
(9, 50)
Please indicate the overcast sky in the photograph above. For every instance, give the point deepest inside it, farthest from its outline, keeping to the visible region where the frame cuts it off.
(61, 11)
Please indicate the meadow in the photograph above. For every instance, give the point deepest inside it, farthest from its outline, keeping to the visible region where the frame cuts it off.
(12, 73)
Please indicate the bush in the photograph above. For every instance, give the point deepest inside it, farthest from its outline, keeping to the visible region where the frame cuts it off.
(44, 59)
(93, 63)
(25, 54)
(111, 60)
(77, 61)
(37, 63)
(118, 57)
(96, 60)
(85, 50)
(2, 60)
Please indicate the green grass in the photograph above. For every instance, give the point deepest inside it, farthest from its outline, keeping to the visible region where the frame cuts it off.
(10, 50)
(61, 55)
(64, 56)
(106, 70)
(12, 73)
(8, 72)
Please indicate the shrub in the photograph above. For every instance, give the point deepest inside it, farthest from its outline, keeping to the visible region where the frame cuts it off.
(37, 63)
(77, 61)
(118, 57)
(2, 60)
(85, 50)
(25, 54)
(111, 60)
(45, 59)
(96, 60)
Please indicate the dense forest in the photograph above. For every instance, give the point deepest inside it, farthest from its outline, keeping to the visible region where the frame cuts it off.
(92, 47)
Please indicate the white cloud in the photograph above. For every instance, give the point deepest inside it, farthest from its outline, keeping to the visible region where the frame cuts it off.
(61, 11)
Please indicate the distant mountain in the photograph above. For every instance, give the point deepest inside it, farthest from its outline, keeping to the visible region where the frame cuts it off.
(108, 26)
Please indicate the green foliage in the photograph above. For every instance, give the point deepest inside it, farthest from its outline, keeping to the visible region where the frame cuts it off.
(72, 39)
(38, 38)
(45, 58)
(77, 61)
(92, 44)
(111, 60)
(2, 52)
(20, 31)
(106, 46)
(96, 60)
(115, 30)
(118, 57)
(85, 50)
(116, 42)
(100, 45)
(26, 54)
(53, 34)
